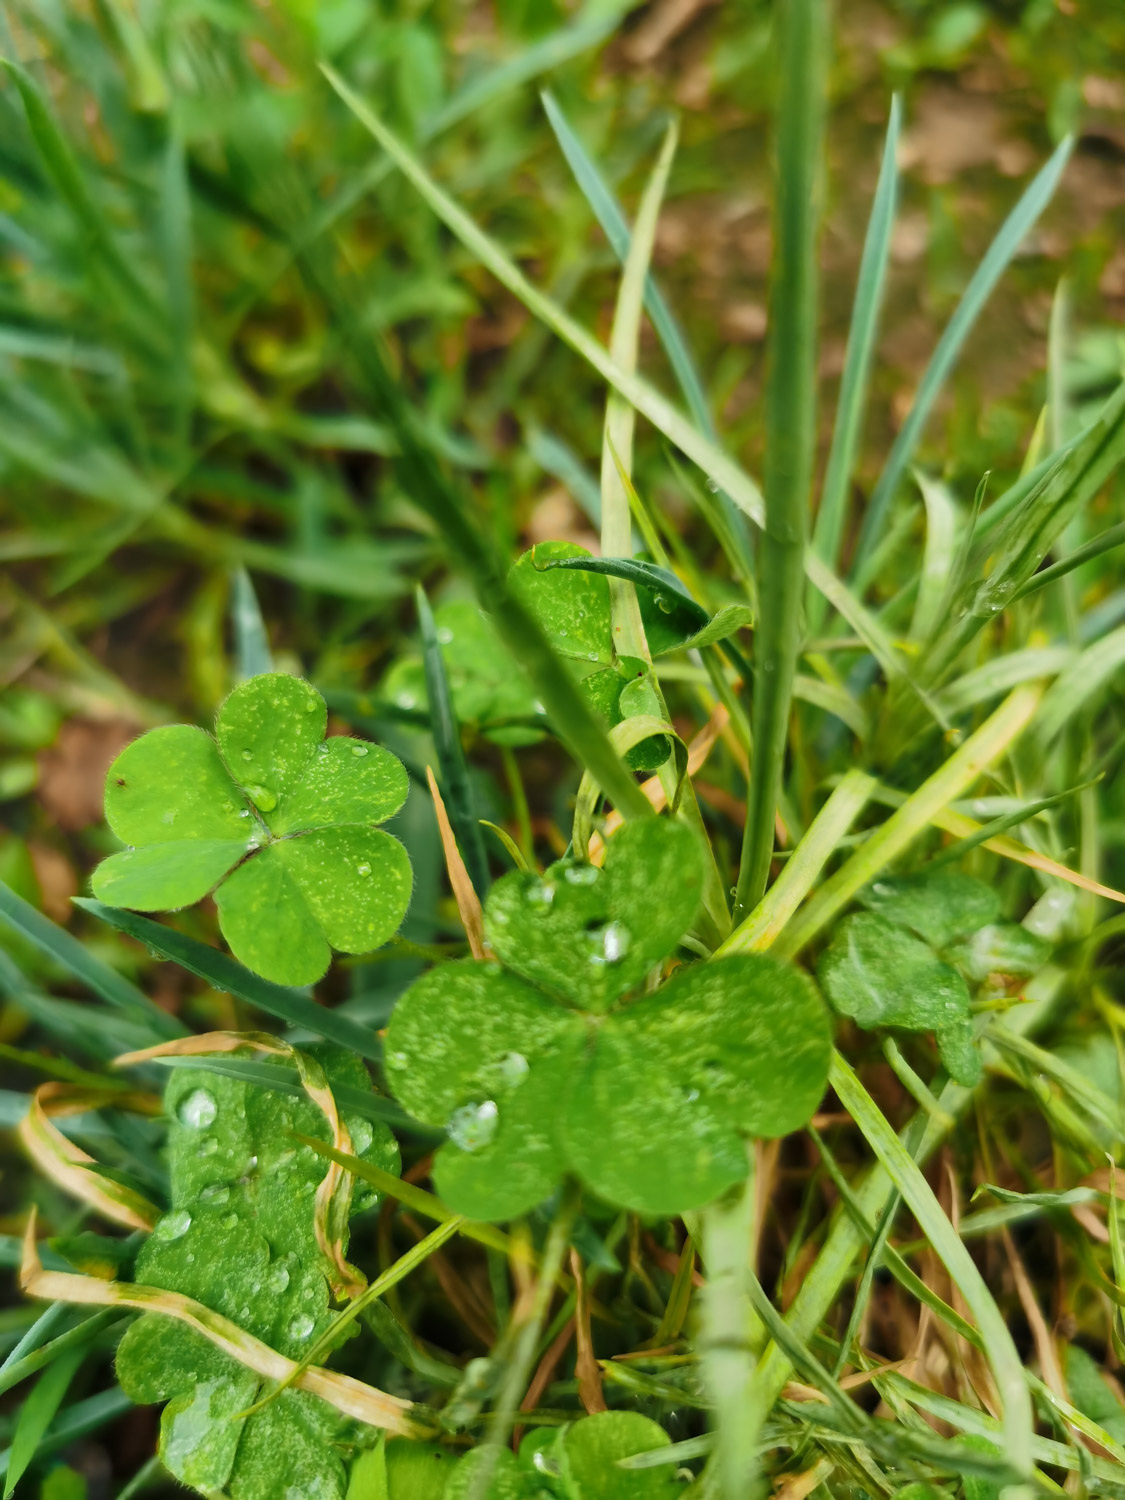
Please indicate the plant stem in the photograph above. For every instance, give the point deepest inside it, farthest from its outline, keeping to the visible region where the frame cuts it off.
(790, 424)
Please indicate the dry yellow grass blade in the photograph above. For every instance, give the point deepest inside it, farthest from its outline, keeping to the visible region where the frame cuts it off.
(468, 902)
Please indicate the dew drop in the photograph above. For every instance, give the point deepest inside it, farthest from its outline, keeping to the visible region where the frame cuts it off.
(611, 943)
(406, 700)
(359, 749)
(208, 1145)
(262, 798)
(582, 874)
(473, 1125)
(245, 813)
(169, 816)
(198, 1110)
(363, 869)
(445, 635)
(664, 604)
(513, 1068)
(310, 705)
(247, 755)
(230, 1221)
(713, 486)
(278, 1278)
(301, 1326)
(542, 893)
(216, 1193)
(173, 1226)
(362, 1135)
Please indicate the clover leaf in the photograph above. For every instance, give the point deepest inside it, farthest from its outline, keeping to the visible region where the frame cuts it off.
(488, 687)
(239, 1237)
(536, 1068)
(905, 961)
(580, 1461)
(273, 819)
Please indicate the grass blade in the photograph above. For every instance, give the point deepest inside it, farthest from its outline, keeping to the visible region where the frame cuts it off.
(223, 973)
(1012, 232)
(20, 917)
(37, 1413)
(831, 515)
(790, 425)
(456, 790)
(1007, 1366)
(251, 643)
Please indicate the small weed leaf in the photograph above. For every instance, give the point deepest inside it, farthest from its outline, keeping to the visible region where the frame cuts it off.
(276, 820)
(650, 1103)
(488, 687)
(577, 1462)
(573, 608)
(882, 975)
(939, 907)
(239, 1237)
(1000, 948)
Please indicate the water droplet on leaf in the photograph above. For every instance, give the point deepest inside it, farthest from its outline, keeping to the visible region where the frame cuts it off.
(363, 869)
(610, 943)
(278, 1278)
(262, 798)
(247, 755)
(208, 1145)
(513, 1068)
(216, 1194)
(542, 893)
(582, 874)
(301, 1326)
(359, 749)
(198, 1110)
(174, 1225)
(473, 1126)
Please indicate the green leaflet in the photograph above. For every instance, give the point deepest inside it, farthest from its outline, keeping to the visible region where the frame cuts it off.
(239, 1237)
(904, 961)
(881, 975)
(536, 1069)
(489, 689)
(273, 818)
(938, 907)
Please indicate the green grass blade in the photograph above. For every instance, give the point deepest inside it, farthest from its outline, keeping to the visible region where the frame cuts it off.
(994, 737)
(1106, 542)
(21, 918)
(76, 1422)
(37, 1413)
(829, 529)
(790, 424)
(36, 1358)
(226, 975)
(251, 643)
(1087, 675)
(1007, 1366)
(939, 557)
(608, 213)
(1012, 233)
(456, 790)
(620, 417)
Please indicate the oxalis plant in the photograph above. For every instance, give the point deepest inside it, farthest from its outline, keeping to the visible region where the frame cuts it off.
(570, 1182)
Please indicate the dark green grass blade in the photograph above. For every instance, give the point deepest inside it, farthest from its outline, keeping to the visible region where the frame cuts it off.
(20, 917)
(1032, 203)
(37, 1413)
(829, 529)
(76, 1422)
(455, 786)
(1106, 542)
(790, 426)
(224, 973)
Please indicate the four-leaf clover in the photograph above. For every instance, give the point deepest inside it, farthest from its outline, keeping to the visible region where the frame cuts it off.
(274, 819)
(537, 1068)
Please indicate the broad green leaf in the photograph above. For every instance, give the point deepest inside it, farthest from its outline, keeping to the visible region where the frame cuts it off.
(171, 785)
(510, 1479)
(308, 870)
(620, 692)
(939, 907)
(505, 1154)
(589, 935)
(268, 923)
(268, 730)
(1092, 1394)
(637, 1137)
(572, 608)
(591, 1450)
(881, 975)
(165, 877)
(347, 782)
(239, 1237)
(466, 1033)
(355, 881)
(1000, 948)
(736, 1047)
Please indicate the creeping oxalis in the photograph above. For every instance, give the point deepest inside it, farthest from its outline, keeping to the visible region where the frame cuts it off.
(541, 1064)
(274, 819)
(239, 1237)
(904, 962)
